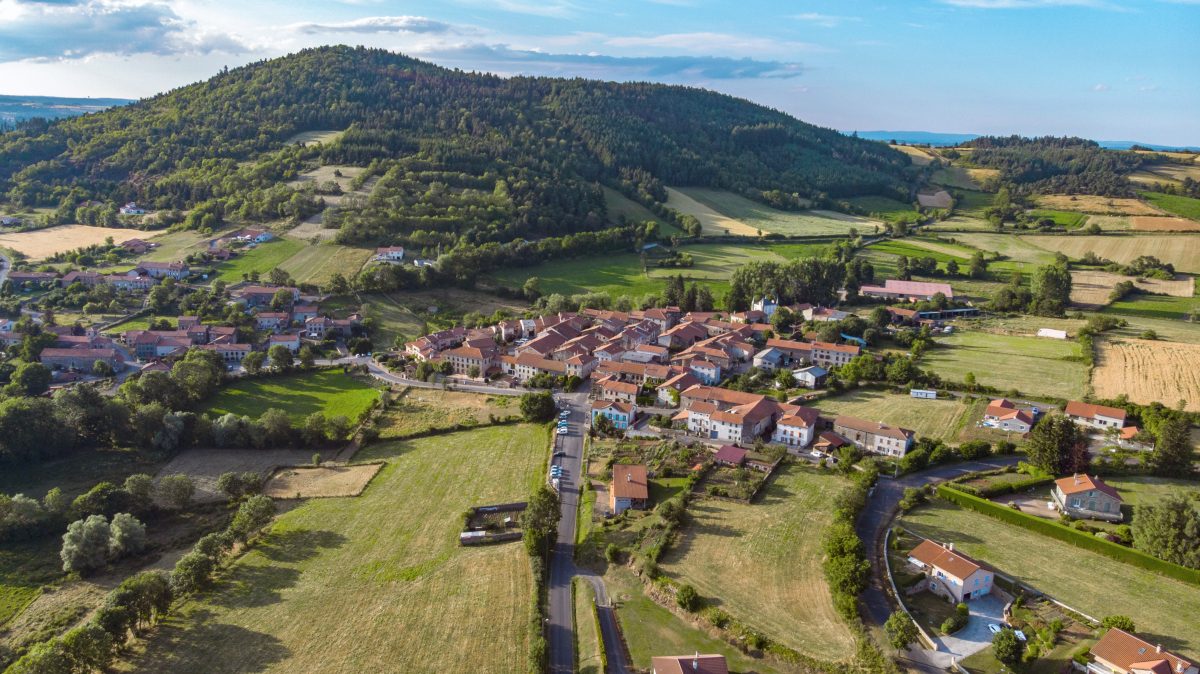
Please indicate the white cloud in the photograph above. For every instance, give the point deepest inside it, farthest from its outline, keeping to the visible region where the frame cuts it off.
(378, 24)
(824, 20)
(1100, 88)
(708, 43)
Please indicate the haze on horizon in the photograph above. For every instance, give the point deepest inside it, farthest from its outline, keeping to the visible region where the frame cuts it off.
(1105, 69)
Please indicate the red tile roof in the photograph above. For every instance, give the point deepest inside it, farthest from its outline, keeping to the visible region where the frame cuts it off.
(1090, 411)
(730, 454)
(689, 664)
(1124, 650)
(629, 481)
(1081, 483)
(954, 563)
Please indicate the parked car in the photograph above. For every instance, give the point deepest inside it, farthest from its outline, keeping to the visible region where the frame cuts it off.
(559, 454)
(562, 431)
(994, 628)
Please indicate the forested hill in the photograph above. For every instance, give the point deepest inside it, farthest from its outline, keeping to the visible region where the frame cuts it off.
(550, 141)
(1056, 165)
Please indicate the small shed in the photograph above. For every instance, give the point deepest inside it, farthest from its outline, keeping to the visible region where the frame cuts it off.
(1052, 333)
(923, 393)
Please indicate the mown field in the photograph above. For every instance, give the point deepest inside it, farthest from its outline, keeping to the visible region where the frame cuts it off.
(318, 263)
(376, 582)
(262, 259)
(418, 410)
(620, 206)
(1185, 207)
(1089, 582)
(949, 420)
(1032, 365)
(1181, 250)
(174, 246)
(762, 562)
(742, 216)
(890, 210)
(1139, 490)
(42, 243)
(393, 320)
(328, 391)
(1148, 371)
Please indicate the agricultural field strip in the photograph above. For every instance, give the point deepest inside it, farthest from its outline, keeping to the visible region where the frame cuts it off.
(1148, 371)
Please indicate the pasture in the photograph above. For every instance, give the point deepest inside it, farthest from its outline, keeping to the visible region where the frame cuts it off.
(1181, 250)
(1159, 605)
(42, 243)
(711, 220)
(318, 263)
(331, 392)
(620, 206)
(419, 410)
(775, 545)
(1068, 219)
(1148, 371)
(949, 420)
(178, 245)
(753, 217)
(320, 482)
(960, 223)
(1097, 205)
(1154, 306)
(887, 209)
(1031, 365)
(1092, 288)
(393, 319)
(920, 156)
(938, 199)
(262, 258)
(1185, 207)
(1006, 245)
(376, 582)
(307, 138)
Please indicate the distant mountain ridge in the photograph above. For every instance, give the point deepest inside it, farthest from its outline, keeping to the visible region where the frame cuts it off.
(938, 139)
(17, 108)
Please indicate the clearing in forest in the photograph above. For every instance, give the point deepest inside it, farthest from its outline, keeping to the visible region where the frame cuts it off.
(307, 138)
(1148, 371)
(711, 221)
(919, 155)
(938, 199)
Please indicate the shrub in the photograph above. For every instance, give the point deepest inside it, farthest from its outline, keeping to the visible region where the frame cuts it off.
(1120, 622)
(85, 545)
(687, 598)
(957, 621)
(177, 490)
(1007, 647)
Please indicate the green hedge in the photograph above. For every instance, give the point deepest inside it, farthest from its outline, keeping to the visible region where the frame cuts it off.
(1068, 535)
(1003, 488)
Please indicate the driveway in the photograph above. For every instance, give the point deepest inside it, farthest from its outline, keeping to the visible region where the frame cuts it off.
(975, 636)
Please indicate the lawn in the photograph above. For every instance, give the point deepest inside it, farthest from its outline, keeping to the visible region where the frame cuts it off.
(1031, 365)
(329, 391)
(948, 419)
(762, 562)
(622, 273)
(650, 629)
(392, 318)
(1185, 207)
(1139, 490)
(1068, 219)
(318, 263)
(587, 635)
(757, 216)
(1087, 581)
(376, 582)
(886, 209)
(262, 259)
(419, 410)
(137, 323)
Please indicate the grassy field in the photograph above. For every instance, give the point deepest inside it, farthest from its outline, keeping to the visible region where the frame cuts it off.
(393, 319)
(1185, 207)
(329, 391)
(174, 246)
(1014, 248)
(318, 263)
(622, 274)
(41, 243)
(972, 203)
(1098, 205)
(650, 629)
(420, 410)
(1139, 490)
(756, 216)
(948, 420)
(954, 176)
(588, 649)
(137, 323)
(377, 582)
(1159, 605)
(890, 210)
(1181, 250)
(262, 259)
(775, 547)
(620, 205)
(1068, 219)
(1154, 306)
(1032, 365)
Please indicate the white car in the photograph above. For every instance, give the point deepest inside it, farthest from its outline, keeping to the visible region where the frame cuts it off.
(994, 628)
(562, 431)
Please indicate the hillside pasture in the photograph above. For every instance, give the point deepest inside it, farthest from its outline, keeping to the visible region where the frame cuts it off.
(886, 208)
(1092, 288)
(1149, 223)
(619, 206)
(712, 222)
(1112, 223)
(1031, 365)
(1144, 306)
(377, 582)
(318, 263)
(1181, 250)
(178, 245)
(308, 138)
(920, 156)
(775, 546)
(42, 243)
(262, 258)
(393, 319)
(938, 199)
(331, 392)
(1089, 203)
(1148, 371)
(773, 221)
(943, 419)
(1185, 207)
(1068, 219)
(1159, 605)
(1006, 245)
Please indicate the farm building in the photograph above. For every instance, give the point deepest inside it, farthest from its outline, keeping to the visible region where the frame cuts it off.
(1095, 416)
(950, 574)
(1119, 652)
(1087, 497)
(913, 291)
(689, 664)
(813, 376)
(160, 270)
(729, 455)
(389, 254)
(1003, 414)
(874, 436)
(924, 394)
(630, 488)
(1052, 333)
(81, 359)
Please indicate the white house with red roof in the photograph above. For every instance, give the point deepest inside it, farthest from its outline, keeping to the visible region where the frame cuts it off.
(1003, 414)
(1086, 497)
(912, 291)
(796, 430)
(1119, 652)
(950, 573)
(1095, 416)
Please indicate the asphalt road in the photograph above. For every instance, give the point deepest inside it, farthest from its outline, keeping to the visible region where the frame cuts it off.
(5, 266)
(560, 630)
(876, 518)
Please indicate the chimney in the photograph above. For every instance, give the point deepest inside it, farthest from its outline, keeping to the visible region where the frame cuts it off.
(1158, 648)
(696, 662)
(950, 547)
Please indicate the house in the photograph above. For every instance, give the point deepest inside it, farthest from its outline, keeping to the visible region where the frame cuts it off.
(620, 413)
(738, 423)
(828, 443)
(527, 365)
(132, 208)
(463, 358)
(768, 359)
(683, 335)
(824, 315)
(729, 455)
(1004, 415)
(689, 664)
(272, 320)
(292, 342)
(1087, 497)
(706, 371)
(82, 359)
(22, 277)
(130, 281)
(152, 344)
(389, 254)
(796, 430)
(874, 436)
(793, 352)
(1095, 416)
(612, 389)
(89, 279)
(258, 296)
(767, 305)
(137, 246)
(303, 312)
(630, 488)
(161, 270)
(1119, 652)
(677, 384)
(230, 353)
(827, 354)
(813, 376)
(950, 574)
(912, 291)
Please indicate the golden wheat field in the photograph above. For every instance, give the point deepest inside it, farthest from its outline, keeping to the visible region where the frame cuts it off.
(42, 243)
(1149, 223)
(1181, 250)
(1094, 287)
(1148, 371)
(1087, 203)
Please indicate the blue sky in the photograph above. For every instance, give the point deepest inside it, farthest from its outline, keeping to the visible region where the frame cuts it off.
(1108, 69)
